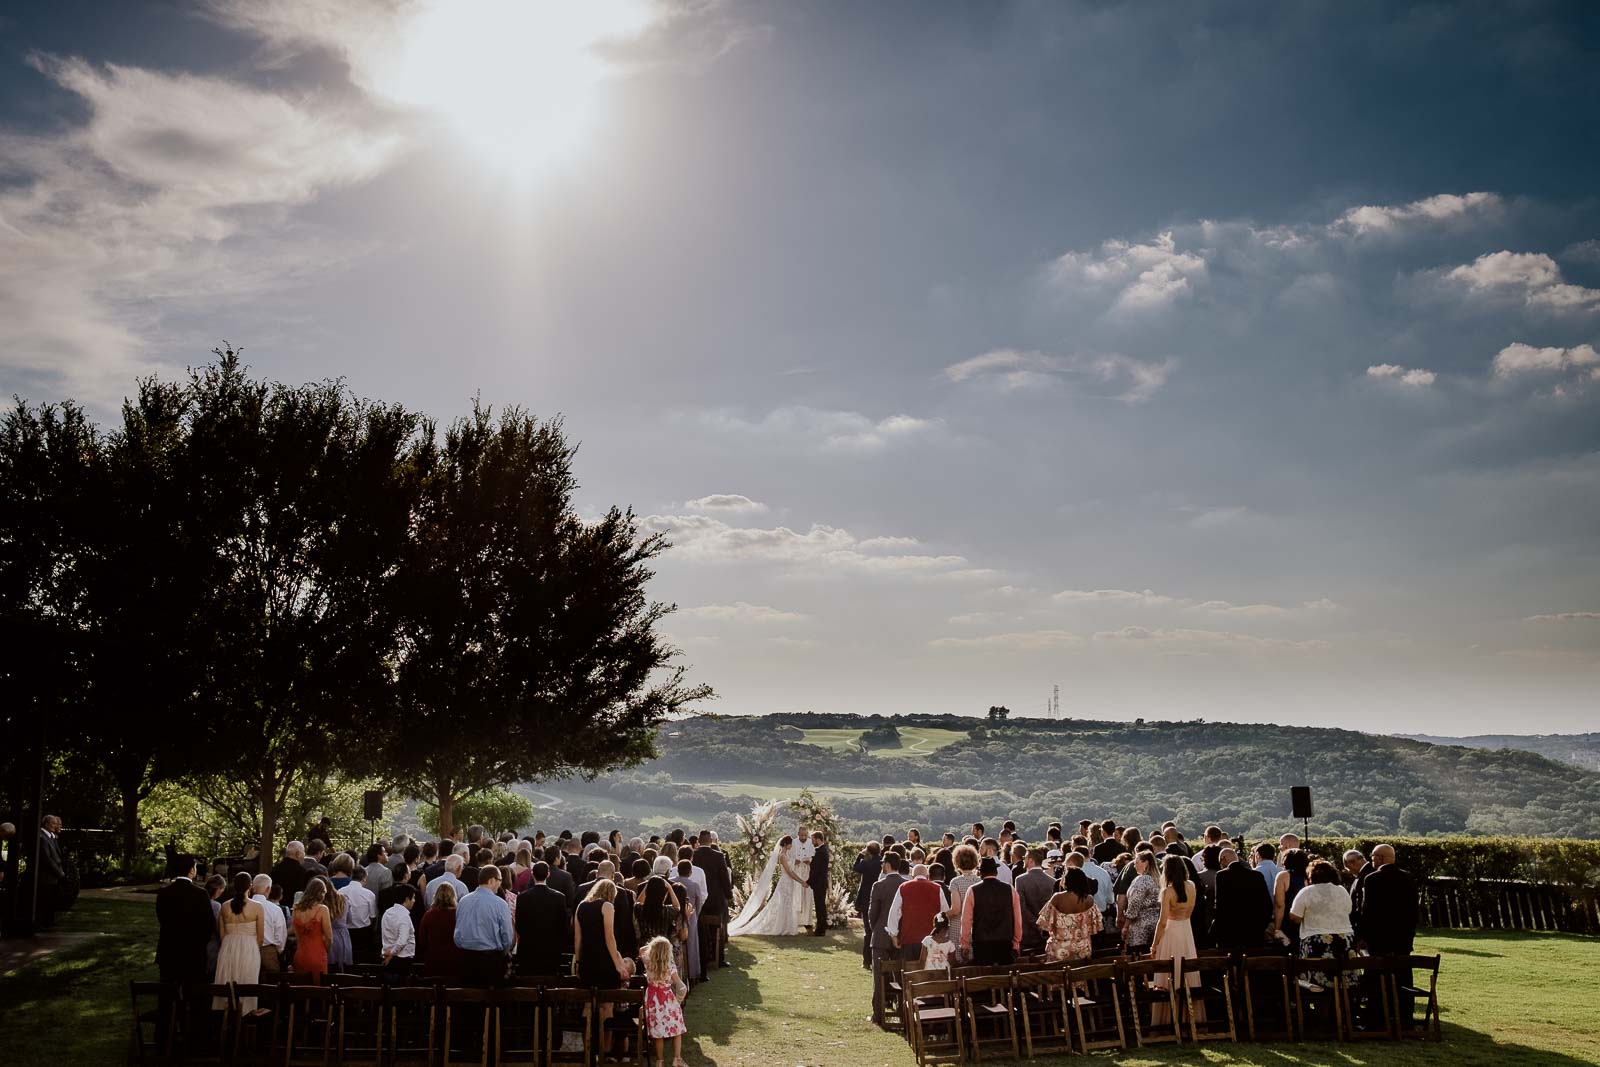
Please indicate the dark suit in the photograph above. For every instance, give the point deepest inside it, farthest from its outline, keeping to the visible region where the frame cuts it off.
(1243, 908)
(817, 879)
(719, 894)
(183, 911)
(291, 876)
(1387, 924)
(544, 930)
(866, 868)
(1034, 889)
(562, 882)
(52, 870)
(880, 901)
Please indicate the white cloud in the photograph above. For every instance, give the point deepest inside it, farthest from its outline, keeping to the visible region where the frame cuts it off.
(1412, 376)
(1026, 641)
(1131, 380)
(708, 539)
(742, 612)
(1444, 207)
(1516, 359)
(1143, 276)
(1566, 616)
(175, 190)
(1207, 640)
(975, 618)
(1146, 598)
(848, 431)
(1533, 275)
(726, 502)
(872, 544)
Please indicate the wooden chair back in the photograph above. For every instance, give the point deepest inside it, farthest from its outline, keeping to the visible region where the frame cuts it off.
(159, 1011)
(986, 1004)
(565, 1007)
(1209, 1008)
(361, 1018)
(1149, 985)
(627, 1017)
(1321, 984)
(935, 1008)
(1040, 997)
(308, 1023)
(1095, 995)
(413, 1024)
(468, 1019)
(1406, 995)
(518, 1025)
(1266, 981)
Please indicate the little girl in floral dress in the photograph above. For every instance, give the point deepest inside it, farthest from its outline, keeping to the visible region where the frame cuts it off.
(663, 995)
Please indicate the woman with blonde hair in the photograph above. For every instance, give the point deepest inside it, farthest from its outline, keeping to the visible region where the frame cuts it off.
(341, 953)
(436, 937)
(595, 959)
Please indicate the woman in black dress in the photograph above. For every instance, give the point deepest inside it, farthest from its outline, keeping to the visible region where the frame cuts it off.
(594, 947)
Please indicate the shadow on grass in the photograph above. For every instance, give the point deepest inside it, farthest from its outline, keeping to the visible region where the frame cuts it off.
(718, 1004)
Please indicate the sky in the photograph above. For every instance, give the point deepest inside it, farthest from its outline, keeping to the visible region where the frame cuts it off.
(1221, 361)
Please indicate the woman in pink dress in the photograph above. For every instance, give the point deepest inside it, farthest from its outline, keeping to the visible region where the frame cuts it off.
(1070, 920)
(663, 1010)
(1174, 936)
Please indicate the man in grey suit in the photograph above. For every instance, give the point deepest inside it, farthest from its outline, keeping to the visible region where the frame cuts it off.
(879, 903)
(51, 872)
(1034, 888)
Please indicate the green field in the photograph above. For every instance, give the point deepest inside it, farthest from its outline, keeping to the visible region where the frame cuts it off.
(914, 740)
(1509, 1000)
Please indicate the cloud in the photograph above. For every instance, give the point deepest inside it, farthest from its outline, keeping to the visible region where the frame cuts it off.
(1444, 207)
(707, 539)
(1146, 598)
(1131, 380)
(1207, 640)
(1026, 641)
(1412, 376)
(1534, 276)
(176, 190)
(740, 611)
(1566, 616)
(848, 431)
(1144, 276)
(1518, 358)
(726, 502)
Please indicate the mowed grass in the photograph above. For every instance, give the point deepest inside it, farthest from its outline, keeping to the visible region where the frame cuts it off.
(914, 740)
(1510, 1000)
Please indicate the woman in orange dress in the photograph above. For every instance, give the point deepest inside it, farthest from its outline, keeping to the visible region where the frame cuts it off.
(313, 929)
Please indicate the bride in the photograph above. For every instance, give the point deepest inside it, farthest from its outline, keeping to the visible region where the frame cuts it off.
(774, 906)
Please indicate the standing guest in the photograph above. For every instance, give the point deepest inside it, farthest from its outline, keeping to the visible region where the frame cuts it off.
(1290, 881)
(966, 861)
(183, 911)
(1265, 856)
(1322, 914)
(1354, 861)
(379, 876)
(884, 894)
(917, 905)
(399, 932)
(274, 928)
(1243, 910)
(522, 877)
(340, 868)
(696, 894)
(52, 871)
(241, 929)
(1387, 922)
(484, 931)
(866, 870)
(361, 913)
(560, 878)
(595, 959)
(990, 849)
(543, 925)
(313, 930)
(1288, 841)
(937, 948)
(449, 875)
(290, 873)
(1070, 919)
(1174, 938)
(991, 919)
(341, 953)
(436, 938)
(1034, 888)
(315, 851)
(1105, 897)
(215, 884)
(657, 915)
(1109, 847)
(1207, 864)
(1140, 911)
(719, 890)
(624, 927)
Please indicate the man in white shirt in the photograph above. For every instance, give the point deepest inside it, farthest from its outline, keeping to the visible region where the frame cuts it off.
(360, 909)
(274, 931)
(991, 849)
(399, 935)
(891, 925)
(452, 874)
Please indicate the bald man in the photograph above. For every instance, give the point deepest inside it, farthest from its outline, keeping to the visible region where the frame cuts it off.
(1387, 922)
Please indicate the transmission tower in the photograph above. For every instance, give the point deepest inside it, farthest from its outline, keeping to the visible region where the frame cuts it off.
(1055, 702)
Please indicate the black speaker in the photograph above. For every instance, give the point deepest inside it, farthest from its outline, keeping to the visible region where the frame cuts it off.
(372, 805)
(1300, 797)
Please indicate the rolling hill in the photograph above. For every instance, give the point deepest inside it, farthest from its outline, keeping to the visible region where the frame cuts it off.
(1580, 750)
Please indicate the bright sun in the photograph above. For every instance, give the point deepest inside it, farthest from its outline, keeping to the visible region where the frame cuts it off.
(518, 80)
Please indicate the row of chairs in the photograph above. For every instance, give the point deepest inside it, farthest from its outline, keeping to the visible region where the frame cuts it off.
(1038, 1006)
(360, 1021)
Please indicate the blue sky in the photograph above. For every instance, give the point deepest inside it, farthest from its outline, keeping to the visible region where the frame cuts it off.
(1231, 361)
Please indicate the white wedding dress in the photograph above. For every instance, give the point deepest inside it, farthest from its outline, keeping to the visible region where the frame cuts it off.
(773, 909)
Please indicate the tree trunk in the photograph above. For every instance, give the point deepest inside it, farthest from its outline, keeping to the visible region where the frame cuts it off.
(130, 826)
(447, 811)
(269, 823)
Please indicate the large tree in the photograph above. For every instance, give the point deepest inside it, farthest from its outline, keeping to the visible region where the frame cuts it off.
(529, 649)
(314, 491)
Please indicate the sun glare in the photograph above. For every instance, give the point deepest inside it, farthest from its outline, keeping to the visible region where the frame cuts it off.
(518, 80)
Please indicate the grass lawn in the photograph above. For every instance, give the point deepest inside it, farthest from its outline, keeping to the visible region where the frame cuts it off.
(1510, 1000)
(914, 740)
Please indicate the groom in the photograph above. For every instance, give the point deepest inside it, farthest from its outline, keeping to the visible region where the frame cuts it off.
(818, 880)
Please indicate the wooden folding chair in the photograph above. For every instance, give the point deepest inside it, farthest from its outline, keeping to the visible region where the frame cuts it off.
(1096, 990)
(1213, 999)
(361, 1011)
(205, 1031)
(256, 1032)
(308, 1023)
(1041, 999)
(627, 1018)
(565, 1006)
(1139, 976)
(986, 1003)
(1266, 981)
(413, 1024)
(932, 1007)
(890, 993)
(162, 1018)
(1405, 993)
(462, 1008)
(517, 1025)
(1368, 1008)
(1320, 983)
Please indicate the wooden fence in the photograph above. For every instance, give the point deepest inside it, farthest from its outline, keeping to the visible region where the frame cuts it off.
(1506, 905)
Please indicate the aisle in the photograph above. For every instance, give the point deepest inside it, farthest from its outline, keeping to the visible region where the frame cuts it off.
(788, 1001)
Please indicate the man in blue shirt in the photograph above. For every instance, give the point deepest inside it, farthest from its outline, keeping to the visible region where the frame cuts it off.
(1265, 854)
(483, 931)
